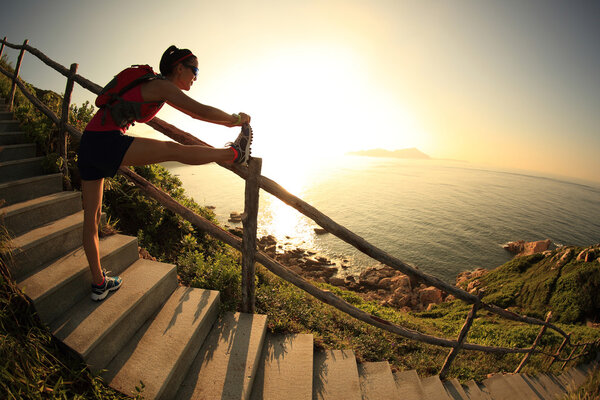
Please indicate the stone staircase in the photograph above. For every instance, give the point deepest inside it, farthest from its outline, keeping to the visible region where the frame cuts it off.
(173, 338)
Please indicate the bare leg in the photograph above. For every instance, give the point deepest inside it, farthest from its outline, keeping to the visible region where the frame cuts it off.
(92, 210)
(143, 151)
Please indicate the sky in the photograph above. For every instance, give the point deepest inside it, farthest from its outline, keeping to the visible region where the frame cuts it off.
(505, 84)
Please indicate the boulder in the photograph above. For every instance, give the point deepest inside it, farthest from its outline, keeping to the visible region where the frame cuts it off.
(523, 248)
(430, 295)
(335, 281)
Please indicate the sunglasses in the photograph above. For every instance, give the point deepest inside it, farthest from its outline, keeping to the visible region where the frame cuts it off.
(195, 70)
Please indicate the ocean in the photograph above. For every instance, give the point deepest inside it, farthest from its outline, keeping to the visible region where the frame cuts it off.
(442, 216)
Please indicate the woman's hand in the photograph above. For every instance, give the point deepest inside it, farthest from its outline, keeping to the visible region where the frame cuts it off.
(239, 120)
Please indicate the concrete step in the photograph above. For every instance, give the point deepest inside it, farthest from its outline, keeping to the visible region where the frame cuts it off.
(60, 285)
(163, 349)
(500, 389)
(377, 381)
(46, 243)
(537, 387)
(526, 392)
(9, 125)
(475, 392)
(21, 169)
(28, 215)
(4, 115)
(97, 331)
(434, 389)
(17, 152)
(551, 384)
(408, 385)
(226, 364)
(7, 138)
(30, 188)
(335, 375)
(572, 378)
(285, 368)
(455, 389)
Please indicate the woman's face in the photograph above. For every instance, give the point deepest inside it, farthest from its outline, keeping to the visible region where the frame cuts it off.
(187, 73)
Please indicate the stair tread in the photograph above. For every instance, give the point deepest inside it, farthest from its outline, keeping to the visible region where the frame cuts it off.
(551, 383)
(285, 369)
(537, 386)
(21, 161)
(335, 375)
(33, 179)
(520, 385)
(499, 388)
(84, 325)
(30, 238)
(434, 389)
(163, 349)
(455, 390)
(38, 202)
(227, 362)
(474, 391)
(409, 385)
(377, 381)
(46, 279)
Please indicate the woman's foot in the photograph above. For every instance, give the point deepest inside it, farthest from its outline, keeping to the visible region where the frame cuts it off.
(110, 284)
(241, 145)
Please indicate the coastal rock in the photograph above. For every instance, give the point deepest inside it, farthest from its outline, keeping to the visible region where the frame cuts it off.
(587, 255)
(430, 295)
(335, 281)
(523, 248)
(467, 276)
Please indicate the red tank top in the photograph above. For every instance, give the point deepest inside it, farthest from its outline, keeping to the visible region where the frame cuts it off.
(149, 110)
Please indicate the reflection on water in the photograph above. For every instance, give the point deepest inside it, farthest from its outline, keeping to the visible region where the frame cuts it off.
(288, 226)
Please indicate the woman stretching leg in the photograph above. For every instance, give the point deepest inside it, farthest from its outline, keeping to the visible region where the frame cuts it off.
(104, 147)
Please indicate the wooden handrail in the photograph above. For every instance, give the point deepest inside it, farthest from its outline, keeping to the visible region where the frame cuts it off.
(248, 245)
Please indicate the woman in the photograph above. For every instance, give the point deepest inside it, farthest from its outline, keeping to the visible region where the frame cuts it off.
(104, 147)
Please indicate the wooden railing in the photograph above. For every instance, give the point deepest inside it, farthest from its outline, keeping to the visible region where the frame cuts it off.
(247, 245)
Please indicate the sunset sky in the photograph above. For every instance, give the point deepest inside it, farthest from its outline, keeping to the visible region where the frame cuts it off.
(504, 84)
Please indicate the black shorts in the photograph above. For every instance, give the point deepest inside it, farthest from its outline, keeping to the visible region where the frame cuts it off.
(101, 153)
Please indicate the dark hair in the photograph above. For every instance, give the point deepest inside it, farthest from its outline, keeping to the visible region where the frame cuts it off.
(171, 57)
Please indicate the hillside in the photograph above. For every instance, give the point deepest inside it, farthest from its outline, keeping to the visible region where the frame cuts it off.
(565, 281)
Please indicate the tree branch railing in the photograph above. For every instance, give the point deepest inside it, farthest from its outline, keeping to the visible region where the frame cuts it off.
(247, 245)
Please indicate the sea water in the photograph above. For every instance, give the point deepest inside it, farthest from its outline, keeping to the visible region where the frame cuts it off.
(443, 217)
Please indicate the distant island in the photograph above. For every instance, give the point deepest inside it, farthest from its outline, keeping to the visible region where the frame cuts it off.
(402, 153)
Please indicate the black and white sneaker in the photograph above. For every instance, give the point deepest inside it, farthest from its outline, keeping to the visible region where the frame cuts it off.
(241, 145)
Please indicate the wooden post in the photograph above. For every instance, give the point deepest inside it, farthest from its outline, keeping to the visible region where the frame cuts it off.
(571, 355)
(11, 97)
(557, 354)
(62, 129)
(249, 237)
(534, 345)
(2, 47)
(461, 338)
(568, 358)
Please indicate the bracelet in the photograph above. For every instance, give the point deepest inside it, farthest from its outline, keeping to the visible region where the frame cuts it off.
(239, 119)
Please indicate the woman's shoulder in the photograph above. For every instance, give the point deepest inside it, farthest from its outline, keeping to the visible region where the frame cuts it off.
(157, 89)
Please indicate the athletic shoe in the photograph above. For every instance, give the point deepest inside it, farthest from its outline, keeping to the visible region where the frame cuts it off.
(242, 145)
(110, 285)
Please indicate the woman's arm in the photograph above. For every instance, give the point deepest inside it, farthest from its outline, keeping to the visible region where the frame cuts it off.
(163, 90)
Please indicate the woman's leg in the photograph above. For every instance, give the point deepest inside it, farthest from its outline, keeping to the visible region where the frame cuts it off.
(144, 151)
(92, 210)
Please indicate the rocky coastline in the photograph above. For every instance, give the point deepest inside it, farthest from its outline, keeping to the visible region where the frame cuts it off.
(388, 286)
